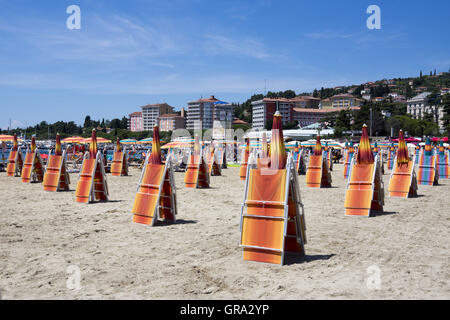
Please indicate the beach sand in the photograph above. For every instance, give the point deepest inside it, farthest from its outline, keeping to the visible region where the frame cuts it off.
(42, 234)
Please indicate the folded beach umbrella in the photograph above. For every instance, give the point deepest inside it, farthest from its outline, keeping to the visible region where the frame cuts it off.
(278, 155)
(155, 156)
(15, 143)
(118, 146)
(58, 147)
(93, 147)
(365, 154)
(318, 147)
(402, 152)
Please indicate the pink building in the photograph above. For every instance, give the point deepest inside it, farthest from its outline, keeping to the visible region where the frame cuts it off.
(135, 122)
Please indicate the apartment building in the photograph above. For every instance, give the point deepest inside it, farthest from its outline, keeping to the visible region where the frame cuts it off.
(345, 101)
(135, 122)
(306, 102)
(205, 113)
(151, 113)
(263, 111)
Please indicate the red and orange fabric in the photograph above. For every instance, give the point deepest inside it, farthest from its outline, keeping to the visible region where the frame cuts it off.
(365, 155)
(15, 143)
(93, 148)
(58, 147)
(278, 154)
(118, 145)
(155, 156)
(318, 147)
(402, 152)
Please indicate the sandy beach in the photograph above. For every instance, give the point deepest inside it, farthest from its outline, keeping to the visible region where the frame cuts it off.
(42, 234)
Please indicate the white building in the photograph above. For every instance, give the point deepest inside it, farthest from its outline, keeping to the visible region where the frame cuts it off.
(419, 106)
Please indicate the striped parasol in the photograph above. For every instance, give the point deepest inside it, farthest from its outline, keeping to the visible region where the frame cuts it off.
(75, 139)
(146, 141)
(7, 138)
(128, 141)
(99, 140)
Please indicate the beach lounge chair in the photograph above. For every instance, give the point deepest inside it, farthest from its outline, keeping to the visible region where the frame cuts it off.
(365, 190)
(92, 185)
(403, 180)
(328, 155)
(33, 169)
(56, 177)
(442, 162)
(244, 161)
(214, 168)
(272, 216)
(391, 157)
(197, 175)
(427, 173)
(317, 173)
(348, 160)
(156, 193)
(119, 165)
(15, 160)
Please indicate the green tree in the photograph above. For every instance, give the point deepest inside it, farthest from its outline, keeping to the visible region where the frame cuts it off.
(87, 122)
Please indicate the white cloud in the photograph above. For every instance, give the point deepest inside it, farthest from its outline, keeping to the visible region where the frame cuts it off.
(221, 45)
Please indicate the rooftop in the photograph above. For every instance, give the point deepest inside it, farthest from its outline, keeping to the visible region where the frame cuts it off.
(322, 111)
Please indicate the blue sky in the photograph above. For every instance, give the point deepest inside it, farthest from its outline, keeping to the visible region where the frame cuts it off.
(135, 52)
